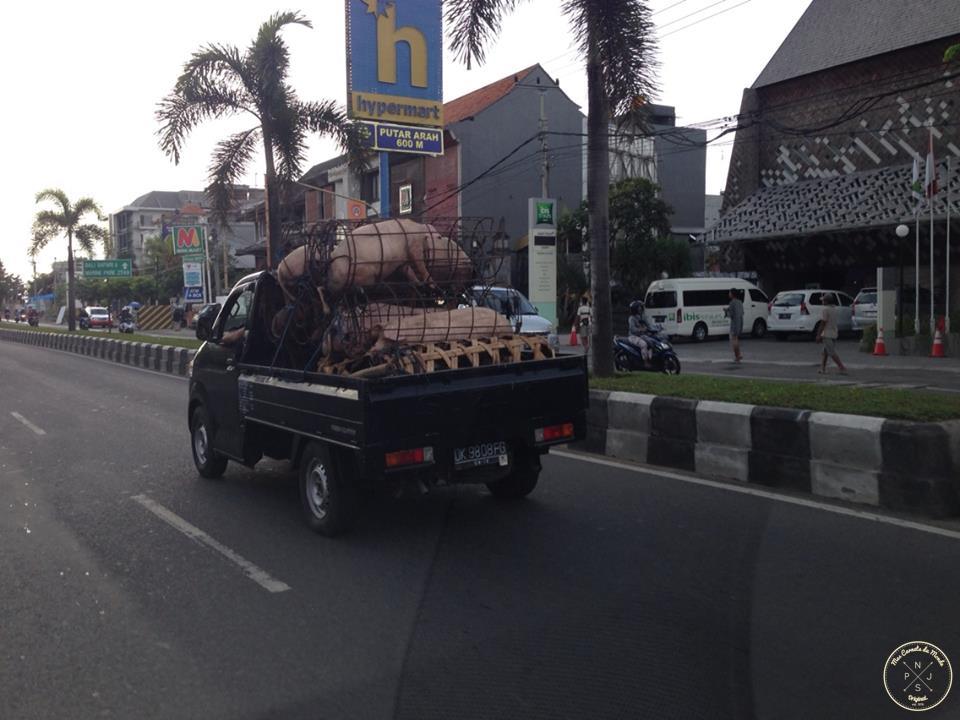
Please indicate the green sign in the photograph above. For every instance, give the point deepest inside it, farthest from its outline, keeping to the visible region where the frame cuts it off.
(93, 269)
(545, 213)
(187, 239)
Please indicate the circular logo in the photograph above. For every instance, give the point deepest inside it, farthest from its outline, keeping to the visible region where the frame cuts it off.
(917, 676)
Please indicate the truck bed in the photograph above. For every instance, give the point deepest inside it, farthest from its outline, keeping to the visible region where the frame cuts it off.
(444, 410)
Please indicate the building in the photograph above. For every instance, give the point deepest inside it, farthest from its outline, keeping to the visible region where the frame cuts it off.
(821, 168)
(146, 217)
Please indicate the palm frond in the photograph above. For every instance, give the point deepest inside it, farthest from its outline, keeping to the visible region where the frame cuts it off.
(289, 136)
(86, 234)
(43, 232)
(623, 33)
(86, 205)
(268, 57)
(473, 24)
(214, 83)
(230, 160)
(329, 118)
(57, 195)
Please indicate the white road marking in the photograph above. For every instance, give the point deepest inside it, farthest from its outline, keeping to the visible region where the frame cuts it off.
(769, 495)
(21, 418)
(261, 577)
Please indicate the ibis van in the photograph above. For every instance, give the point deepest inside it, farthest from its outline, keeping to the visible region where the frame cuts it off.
(695, 307)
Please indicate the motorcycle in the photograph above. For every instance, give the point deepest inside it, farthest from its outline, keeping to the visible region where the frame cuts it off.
(627, 356)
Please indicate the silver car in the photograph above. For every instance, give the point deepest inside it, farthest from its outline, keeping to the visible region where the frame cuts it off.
(799, 312)
(865, 308)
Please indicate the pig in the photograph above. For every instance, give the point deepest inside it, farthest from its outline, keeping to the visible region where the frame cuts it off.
(459, 324)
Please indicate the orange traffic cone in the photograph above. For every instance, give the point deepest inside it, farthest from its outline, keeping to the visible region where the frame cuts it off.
(573, 335)
(937, 350)
(879, 348)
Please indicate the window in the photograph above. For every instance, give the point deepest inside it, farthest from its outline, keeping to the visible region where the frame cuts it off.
(662, 299)
(406, 199)
(788, 300)
(143, 220)
(706, 298)
(758, 296)
(370, 187)
(238, 309)
(845, 300)
(867, 298)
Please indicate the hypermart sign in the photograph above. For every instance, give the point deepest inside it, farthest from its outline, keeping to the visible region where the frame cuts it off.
(395, 61)
(402, 138)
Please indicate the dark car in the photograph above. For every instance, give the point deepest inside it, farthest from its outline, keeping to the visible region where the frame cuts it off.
(206, 309)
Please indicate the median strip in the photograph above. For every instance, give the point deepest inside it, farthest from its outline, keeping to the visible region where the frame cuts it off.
(259, 576)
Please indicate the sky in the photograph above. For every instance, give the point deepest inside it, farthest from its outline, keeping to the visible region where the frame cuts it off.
(83, 80)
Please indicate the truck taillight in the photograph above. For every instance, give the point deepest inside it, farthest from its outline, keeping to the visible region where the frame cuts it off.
(414, 456)
(770, 306)
(803, 309)
(854, 310)
(679, 315)
(553, 432)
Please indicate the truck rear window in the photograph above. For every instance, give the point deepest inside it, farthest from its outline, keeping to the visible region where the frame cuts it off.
(663, 299)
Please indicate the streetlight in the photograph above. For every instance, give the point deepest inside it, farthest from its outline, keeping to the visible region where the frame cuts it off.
(902, 231)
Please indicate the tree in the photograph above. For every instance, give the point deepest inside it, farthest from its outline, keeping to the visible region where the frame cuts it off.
(11, 286)
(67, 219)
(615, 38)
(219, 80)
(952, 53)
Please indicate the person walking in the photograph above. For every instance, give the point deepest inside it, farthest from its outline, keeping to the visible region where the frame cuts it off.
(734, 312)
(583, 321)
(828, 334)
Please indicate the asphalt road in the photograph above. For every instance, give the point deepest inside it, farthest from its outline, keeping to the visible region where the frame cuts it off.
(613, 592)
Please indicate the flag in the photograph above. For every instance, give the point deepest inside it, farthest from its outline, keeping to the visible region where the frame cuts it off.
(916, 187)
(930, 187)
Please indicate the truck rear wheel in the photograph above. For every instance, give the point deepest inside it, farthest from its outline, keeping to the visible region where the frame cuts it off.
(209, 463)
(328, 493)
(519, 483)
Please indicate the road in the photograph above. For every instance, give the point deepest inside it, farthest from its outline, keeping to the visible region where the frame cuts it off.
(613, 592)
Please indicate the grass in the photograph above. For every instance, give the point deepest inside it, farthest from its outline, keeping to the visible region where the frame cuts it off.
(890, 403)
(186, 342)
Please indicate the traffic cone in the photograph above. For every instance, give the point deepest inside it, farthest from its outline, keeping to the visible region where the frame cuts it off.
(879, 348)
(573, 335)
(937, 350)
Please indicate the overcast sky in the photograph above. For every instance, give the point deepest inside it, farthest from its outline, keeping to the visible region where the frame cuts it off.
(82, 81)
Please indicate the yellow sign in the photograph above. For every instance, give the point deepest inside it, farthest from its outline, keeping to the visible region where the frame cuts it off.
(390, 108)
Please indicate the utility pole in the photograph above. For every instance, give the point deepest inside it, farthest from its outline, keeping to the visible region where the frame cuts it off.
(544, 159)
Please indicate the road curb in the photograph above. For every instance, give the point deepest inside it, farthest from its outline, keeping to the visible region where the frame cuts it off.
(159, 358)
(903, 466)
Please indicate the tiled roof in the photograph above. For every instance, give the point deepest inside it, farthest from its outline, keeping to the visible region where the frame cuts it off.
(874, 198)
(168, 200)
(835, 32)
(472, 103)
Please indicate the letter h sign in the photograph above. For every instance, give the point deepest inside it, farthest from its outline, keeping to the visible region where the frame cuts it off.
(388, 37)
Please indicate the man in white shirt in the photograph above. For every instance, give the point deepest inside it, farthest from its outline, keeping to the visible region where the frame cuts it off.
(829, 332)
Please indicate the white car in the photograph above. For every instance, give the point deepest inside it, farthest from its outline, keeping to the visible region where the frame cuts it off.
(695, 307)
(799, 312)
(515, 306)
(865, 308)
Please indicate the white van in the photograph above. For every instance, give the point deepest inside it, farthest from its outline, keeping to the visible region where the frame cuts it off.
(694, 307)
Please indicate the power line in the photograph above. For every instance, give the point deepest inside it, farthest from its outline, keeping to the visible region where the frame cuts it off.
(695, 12)
(721, 12)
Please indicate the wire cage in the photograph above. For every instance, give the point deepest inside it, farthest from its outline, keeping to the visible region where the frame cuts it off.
(393, 296)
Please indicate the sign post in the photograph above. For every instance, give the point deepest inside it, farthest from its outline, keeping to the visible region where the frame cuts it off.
(94, 269)
(395, 75)
(542, 260)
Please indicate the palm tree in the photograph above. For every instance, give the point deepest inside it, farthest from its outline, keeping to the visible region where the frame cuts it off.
(66, 219)
(615, 38)
(219, 80)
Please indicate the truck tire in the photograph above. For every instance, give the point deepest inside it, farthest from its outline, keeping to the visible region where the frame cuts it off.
(520, 483)
(209, 463)
(328, 492)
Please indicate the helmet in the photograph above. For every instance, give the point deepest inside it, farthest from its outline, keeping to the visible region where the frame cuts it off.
(636, 307)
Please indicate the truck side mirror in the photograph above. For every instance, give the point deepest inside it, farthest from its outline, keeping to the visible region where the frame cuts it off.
(205, 322)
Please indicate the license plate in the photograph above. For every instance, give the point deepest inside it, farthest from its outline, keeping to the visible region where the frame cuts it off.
(493, 453)
(784, 317)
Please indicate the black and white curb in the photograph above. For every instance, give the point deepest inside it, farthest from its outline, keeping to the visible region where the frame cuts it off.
(903, 466)
(159, 358)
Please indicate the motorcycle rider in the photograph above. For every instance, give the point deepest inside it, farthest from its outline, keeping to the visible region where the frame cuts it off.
(638, 330)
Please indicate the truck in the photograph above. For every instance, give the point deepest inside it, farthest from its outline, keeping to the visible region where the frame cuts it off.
(346, 435)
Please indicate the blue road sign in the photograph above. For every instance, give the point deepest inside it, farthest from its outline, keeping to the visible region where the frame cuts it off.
(395, 61)
(193, 294)
(403, 138)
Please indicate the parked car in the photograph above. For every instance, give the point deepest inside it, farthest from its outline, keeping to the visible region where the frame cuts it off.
(864, 309)
(694, 307)
(799, 311)
(98, 317)
(515, 306)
